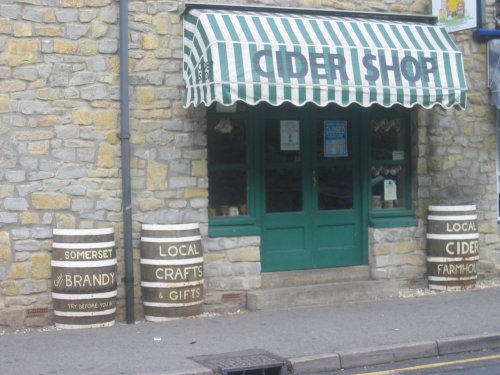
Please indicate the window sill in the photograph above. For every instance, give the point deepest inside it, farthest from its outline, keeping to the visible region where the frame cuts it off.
(392, 222)
(233, 230)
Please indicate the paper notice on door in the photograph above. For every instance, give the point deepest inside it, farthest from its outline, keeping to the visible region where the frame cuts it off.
(390, 190)
(335, 138)
(290, 135)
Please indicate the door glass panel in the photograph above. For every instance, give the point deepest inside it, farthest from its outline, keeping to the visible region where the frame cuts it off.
(282, 156)
(334, 188)
(283, 190)
(282, 141)
(334, 155)
(333, 140)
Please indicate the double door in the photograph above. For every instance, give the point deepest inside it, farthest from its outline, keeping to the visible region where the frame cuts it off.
(311, 209)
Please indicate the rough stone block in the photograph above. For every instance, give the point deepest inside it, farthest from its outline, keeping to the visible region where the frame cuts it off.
(106, 119)
(199, 168)
(156, 175)
(19, 52)
(50, 201)
(12, 318)
(10, 288)
(149, 41)
(65, 47)
(105, 157)
(16, 204)
(8, 217)
(4, 103)
(40, 266)
(6, 191)
(67, 221)
(149, 204)
(19, 271)
(28, 218)
(245, 254)
(5, 246)
(195, 193)
(23, 30)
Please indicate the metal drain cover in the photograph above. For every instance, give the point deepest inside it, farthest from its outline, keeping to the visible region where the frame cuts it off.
(254, 359)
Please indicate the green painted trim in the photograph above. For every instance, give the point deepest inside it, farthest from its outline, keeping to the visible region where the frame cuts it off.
(233, 230)
(392, 222)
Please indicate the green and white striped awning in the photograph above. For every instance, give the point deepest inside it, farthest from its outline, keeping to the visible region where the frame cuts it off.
(232, 55)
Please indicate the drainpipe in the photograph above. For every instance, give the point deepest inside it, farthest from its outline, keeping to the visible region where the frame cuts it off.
(125, 147)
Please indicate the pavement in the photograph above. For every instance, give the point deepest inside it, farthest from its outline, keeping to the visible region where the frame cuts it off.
(312, 340)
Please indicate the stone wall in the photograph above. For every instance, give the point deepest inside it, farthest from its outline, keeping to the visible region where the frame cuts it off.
(60, 152)
(397, 253)
(457, 151)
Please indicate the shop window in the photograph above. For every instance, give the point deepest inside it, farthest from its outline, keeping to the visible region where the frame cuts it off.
(229, 179)
(227, 157)
(389, 166)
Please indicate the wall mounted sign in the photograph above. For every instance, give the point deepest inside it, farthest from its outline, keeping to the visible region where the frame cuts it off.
(455, 15)
(335, 138)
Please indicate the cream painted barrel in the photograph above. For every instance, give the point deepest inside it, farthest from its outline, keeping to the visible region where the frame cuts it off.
(84, 277)
(171, 271)
(452, 247)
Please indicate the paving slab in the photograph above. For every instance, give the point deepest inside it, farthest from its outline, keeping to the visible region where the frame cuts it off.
(320, 333)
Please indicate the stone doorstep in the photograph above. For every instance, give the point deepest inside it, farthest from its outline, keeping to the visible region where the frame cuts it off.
(310, 277)
(321, 294)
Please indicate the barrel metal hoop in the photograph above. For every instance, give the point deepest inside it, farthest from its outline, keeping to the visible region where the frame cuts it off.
(452, 208)
(152, 284)
(166, 227)
(452, 218)
(152, 318)
(459, 278)
(464, 236)
(450, 287)
(452, 260)
(170, 239)
(84, 313)
(73, 296)
(83, 246)
(84, 264)
(171, 262)
(162, 304)
(79, 326)
(82, 232)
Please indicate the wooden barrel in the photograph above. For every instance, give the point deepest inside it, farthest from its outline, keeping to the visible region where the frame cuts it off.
(171, 271)
(84, 277)
(452, 247)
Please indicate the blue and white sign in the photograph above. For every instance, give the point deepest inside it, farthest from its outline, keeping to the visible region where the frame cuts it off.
(335, 138)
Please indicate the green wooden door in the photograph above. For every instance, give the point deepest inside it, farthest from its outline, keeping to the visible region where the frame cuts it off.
(311, 190)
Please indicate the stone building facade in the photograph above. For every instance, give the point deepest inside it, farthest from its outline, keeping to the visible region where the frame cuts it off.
(60, 156)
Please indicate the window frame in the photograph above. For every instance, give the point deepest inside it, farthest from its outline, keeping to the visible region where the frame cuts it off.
(243, 225)
(397, 216)
(249, 225)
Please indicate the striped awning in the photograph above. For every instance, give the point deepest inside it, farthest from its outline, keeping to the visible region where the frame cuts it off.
(233, 55)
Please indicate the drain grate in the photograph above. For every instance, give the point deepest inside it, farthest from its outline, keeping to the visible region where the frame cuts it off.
(248, 362)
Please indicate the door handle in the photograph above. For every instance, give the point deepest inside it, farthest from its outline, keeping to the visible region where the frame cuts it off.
(314, 179)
